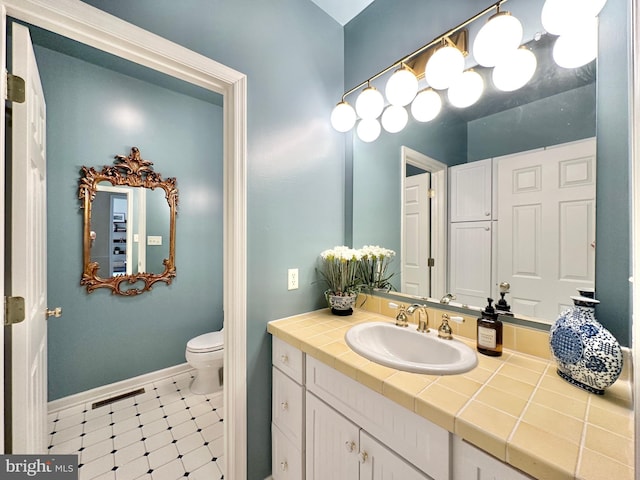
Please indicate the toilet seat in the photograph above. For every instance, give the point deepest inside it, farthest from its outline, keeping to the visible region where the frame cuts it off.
(208, 342)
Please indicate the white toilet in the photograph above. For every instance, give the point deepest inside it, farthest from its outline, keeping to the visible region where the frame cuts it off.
(205, 354)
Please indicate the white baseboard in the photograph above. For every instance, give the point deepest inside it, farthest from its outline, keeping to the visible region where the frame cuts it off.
(113, 389)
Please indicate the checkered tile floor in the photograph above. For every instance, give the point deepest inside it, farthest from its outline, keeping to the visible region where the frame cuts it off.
(166, 433)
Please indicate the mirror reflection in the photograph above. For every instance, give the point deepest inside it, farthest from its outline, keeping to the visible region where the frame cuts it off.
(129, 226)
(129, 230)
(472, 218)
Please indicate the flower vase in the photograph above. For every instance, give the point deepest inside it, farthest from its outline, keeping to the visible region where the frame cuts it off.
(587, 354)
(341, 304)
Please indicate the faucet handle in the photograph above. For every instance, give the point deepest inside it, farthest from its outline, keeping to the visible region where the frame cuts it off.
(401, 318)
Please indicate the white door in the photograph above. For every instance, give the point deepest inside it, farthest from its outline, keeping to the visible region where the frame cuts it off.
(416, 249)
(546, 210)
(471, 193)
(29, 254)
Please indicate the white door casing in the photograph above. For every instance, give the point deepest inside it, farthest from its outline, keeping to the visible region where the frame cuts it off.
(86, 24)
(29, 253)
(546, 202)
(3, 88)
(416, 246)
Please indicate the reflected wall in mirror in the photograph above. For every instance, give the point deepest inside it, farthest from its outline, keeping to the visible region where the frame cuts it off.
(129, 226)
(558, 106)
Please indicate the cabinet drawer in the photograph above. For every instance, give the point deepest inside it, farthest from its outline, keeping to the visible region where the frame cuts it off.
(286, 459)
(288, 359)
(287, 407)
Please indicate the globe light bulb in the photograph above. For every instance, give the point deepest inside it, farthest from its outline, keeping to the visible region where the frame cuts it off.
(561, 16)
(515, 70)
(444, 65)
(394, 118)
(501, 35)
(368, 130)
(369, 103)
(466, 89)
(578, 46)
(343, 117)
(401, 87)
(426, 106)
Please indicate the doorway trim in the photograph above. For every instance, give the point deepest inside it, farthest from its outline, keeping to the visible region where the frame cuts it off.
(86, 24)
(438, 172)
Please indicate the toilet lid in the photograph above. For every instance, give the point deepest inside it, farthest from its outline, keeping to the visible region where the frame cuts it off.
(207, 342)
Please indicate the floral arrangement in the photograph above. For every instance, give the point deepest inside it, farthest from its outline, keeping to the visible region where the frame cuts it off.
(339, 269)
(373, 265)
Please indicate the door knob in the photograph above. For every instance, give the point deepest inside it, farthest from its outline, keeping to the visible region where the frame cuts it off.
(56, 312)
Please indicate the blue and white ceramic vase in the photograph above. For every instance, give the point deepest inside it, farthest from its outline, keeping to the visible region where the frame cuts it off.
(587, 354)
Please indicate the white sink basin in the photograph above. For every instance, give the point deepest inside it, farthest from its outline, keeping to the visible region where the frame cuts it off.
(404, 348)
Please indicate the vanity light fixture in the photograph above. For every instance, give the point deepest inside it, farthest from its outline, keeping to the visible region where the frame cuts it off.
(401, 87)
(515, 70)
(466, 89)
(441, 64)
(394, 118)
(368, 129)
(370, 103)
(427, 105)
(444, 66)
(501, 35)
(576, 23)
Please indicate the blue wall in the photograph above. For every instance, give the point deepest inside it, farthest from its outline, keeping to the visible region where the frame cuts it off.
(292, 53)
(384, 33)
(93, 114)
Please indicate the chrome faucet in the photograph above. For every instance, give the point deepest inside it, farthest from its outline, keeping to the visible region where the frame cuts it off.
(423, 325)
(447, 298)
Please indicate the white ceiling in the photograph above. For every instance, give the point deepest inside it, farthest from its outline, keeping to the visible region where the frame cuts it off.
(342, 10)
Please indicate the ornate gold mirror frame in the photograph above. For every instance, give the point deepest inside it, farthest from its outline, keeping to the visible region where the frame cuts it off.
(130, 171)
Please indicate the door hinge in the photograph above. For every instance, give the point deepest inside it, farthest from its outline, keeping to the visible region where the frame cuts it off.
(431, 193)
(13, 310)
(431, 262)
(15, 89)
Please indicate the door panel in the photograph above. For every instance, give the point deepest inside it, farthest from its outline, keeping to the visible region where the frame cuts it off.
(28, 258)
(547, 226)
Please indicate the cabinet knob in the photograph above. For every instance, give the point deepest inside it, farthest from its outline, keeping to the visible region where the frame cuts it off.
(363, 456)
(284, 358)
(284, 466)
(487, 214)
(351, 445)
(486, 229)
(284, 405)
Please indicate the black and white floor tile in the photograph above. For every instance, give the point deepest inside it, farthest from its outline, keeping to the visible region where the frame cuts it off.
(165, 433)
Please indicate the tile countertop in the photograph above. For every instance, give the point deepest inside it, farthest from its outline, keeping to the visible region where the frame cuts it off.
(514, 407)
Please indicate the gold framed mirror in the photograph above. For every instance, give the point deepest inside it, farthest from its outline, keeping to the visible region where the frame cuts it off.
(126, 226)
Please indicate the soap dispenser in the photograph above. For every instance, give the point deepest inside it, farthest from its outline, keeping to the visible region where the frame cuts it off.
(489, 332)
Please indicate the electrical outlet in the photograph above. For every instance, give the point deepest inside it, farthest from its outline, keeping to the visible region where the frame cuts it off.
(292, 279)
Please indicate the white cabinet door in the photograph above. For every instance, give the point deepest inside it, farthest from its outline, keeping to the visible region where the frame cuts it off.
(332, 443)
(470, 462)
(470, 187)
(377, 462)
(470, 262)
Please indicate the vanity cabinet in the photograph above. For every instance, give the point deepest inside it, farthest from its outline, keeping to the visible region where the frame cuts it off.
(471, 462)
(338, 448)
(326, 425)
